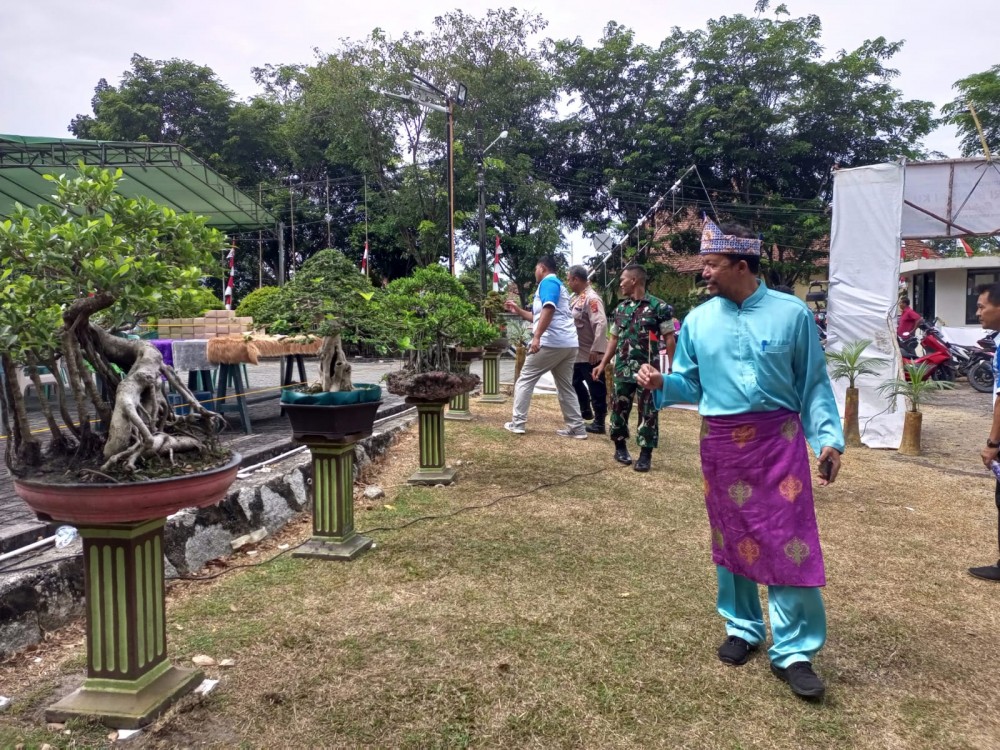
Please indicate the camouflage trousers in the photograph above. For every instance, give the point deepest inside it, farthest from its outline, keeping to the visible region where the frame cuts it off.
(648, 434)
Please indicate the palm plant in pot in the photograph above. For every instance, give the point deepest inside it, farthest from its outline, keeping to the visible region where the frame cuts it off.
(328, 298)
(433, 314)
(916, 385)
(849, 364)
(70, 274)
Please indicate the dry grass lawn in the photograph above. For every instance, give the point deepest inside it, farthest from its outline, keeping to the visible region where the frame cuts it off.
(579, 612)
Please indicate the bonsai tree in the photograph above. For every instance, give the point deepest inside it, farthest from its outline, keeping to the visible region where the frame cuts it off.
(915, 386)
(327, 298)
(431, 312)
(70, 273)
(849, 364)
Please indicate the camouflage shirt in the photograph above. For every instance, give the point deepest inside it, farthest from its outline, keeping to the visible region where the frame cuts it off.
(632, 322)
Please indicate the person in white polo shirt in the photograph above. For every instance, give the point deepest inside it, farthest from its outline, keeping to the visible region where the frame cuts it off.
(553, 349)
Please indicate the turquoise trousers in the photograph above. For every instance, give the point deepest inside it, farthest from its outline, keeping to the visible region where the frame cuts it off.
(798, 619)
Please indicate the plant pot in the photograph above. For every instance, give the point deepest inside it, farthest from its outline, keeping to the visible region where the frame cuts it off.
(852, 433)
(331, 422)
(129, 679)
(323, 398)
(125, 502)
(368, 392)
(910, 445)
(430, 386)
(467, 354)
(498, 345)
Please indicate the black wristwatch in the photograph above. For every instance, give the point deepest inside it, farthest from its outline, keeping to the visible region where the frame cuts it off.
(991, 444)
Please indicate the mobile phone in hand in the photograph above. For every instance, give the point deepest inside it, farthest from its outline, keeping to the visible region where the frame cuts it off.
(825, 468)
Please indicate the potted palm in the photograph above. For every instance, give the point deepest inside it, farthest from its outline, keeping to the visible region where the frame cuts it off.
(849, 364)
(431, 310)
(915, 386)
(118, 458)
(328, 298)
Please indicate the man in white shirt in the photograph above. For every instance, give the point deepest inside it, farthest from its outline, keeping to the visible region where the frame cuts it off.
(553, 349)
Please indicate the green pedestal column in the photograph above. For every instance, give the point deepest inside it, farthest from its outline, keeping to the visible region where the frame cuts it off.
(491, 379)
(334, 537)
(129, 680)
(430, 416)
(458, 407)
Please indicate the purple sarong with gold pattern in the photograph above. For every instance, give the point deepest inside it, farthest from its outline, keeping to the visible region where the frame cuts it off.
(758, 491)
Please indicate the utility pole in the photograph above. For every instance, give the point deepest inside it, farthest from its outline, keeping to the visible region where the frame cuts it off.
(281, 253)
(481, 185)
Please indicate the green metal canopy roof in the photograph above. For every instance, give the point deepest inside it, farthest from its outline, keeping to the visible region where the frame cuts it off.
(164, 172)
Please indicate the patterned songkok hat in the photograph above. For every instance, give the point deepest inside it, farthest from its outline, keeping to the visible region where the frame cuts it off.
(714, 241)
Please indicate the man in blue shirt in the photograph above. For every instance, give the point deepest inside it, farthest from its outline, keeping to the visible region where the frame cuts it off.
(751, 359)
(553, 349)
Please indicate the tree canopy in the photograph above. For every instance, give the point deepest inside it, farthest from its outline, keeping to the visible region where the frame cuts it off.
(596, 134)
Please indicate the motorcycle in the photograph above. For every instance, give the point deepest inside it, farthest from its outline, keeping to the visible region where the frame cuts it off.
(818, 296)
(980, 374)
(937, 356)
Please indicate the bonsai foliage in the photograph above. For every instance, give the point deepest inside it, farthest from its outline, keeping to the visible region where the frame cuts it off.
(850, 365)
(431, 311)
(69, 273)
(328, 297)
(915, 386)
(256, 302)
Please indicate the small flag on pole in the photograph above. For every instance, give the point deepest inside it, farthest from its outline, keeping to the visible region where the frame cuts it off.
(364, 260)
(227, 295)
(496, 266)
(968, 248)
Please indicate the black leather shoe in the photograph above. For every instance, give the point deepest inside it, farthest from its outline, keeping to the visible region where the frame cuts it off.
(621, 453)
(987, 572)
(645, 459)
(735, 651)
(801, 679)
(596, 427)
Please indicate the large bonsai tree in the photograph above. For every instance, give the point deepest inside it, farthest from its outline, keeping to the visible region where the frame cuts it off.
(328, 297)
(71, 272)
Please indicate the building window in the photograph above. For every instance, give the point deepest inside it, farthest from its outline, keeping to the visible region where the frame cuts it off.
(975, 279)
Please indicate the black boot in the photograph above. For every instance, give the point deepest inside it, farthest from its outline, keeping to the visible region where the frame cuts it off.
(621, 453)
(645, 459)
(597, 426)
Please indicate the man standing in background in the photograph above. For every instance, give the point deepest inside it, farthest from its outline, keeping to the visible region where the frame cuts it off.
(592, 334)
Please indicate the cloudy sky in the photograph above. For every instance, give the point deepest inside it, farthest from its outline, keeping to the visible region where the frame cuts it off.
(54, 51)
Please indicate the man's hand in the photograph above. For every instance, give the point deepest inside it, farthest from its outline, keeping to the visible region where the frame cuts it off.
(595, 358)
(833, 456)
(649, 378)
(511, 306)
(989, 455)
(535, 345)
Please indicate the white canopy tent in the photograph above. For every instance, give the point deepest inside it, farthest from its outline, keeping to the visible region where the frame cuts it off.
(874, 209)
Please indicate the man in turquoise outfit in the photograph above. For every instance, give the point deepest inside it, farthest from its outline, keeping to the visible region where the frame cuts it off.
(751, 359)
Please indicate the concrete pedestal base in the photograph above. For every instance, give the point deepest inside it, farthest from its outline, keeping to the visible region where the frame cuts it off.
(442, 476)
(126, 709)
(325, 549)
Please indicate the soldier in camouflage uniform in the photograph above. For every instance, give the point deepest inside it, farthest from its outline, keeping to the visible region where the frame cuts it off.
(640, 325)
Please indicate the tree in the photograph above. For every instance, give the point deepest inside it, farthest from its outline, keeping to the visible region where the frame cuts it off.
(69, 270)
(770, 119)
(162, 101)
(982, 91)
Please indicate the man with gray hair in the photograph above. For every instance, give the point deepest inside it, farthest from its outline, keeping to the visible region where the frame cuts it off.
(592, 334)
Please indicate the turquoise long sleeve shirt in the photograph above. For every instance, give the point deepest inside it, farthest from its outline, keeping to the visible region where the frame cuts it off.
(760, 356)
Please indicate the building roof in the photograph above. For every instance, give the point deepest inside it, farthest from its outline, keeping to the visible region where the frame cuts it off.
(164, 172)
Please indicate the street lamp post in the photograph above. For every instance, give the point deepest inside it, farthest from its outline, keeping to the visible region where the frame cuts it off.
(481, 184)
(424, 93)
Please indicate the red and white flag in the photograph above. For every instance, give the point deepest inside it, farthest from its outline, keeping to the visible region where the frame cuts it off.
(496, 266)
(227, 295)
(968, 249)
(364, 260)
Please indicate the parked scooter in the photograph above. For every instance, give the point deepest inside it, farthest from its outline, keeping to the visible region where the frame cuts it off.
(980, 374)
(936, 357)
